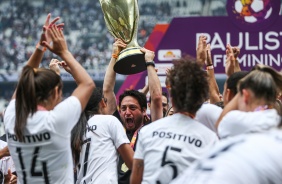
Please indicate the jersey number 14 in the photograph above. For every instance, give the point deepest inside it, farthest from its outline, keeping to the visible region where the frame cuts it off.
(33, 172)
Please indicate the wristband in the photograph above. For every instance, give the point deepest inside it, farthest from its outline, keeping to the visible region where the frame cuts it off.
(210, 67)
(115, 56)
(40, 47)
(150, 63)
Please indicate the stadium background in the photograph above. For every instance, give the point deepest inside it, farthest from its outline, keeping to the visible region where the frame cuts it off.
(87, 36)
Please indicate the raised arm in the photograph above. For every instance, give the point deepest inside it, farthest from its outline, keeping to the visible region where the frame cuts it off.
(85, 84)
(154, 86)
(213, 87)
(145, 89)
(232, 105)
(110, 78)
(36, 57)
(55, 66)
(236, 52)
(232, 63)
(201, 54)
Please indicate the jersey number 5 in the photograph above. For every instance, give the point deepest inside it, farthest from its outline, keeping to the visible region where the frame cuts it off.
(33, 172)
(171, 164)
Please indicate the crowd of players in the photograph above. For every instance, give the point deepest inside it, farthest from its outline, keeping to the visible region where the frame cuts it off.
(90, 137)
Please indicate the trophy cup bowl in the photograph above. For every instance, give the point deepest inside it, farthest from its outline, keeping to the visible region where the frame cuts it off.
(121, 17)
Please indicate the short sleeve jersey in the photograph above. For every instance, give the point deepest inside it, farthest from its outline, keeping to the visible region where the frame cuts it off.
(99, 155)
(45, 154)
(239, 122)
(6, 163)
(208, 115)
(244, 159)
(170, 145)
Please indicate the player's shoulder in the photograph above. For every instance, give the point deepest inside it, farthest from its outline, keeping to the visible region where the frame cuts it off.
(157, 124)
(104, 119)
(209, 108)
(235, 113)
(256, 140)
(233, 117)
(109, 118)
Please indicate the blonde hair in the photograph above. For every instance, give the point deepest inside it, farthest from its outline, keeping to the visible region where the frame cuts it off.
(264, 81)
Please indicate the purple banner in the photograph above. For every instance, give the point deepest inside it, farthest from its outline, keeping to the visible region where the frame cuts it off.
(258, 34)
(254, 26)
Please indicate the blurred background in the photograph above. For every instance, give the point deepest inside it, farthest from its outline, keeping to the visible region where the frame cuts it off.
(85, 30)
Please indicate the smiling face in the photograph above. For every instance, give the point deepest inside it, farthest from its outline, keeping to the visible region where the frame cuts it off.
(131, 113)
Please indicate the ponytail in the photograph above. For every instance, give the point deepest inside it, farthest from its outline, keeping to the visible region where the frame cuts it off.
(35, 86)
(25, 100)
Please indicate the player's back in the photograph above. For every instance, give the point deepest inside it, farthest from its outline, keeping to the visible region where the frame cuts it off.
(44, 156)
(243, 159)
(99, 156)
(169, 146)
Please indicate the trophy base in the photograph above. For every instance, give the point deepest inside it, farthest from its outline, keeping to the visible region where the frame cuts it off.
(130, 61)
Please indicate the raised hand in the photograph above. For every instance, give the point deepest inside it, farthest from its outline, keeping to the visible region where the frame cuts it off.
(201, 50)
(54, 65)
(65, 66)
(230, 61)
(208, 61)
(118, 46)
(149, 55)
(59, 43)
(45, 36)
(236, 51)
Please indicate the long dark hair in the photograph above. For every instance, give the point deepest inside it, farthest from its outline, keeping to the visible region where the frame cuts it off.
(77, 135)
(34, 86)
(79, 130)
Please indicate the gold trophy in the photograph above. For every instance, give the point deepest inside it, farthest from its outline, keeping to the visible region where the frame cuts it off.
(121, 18)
